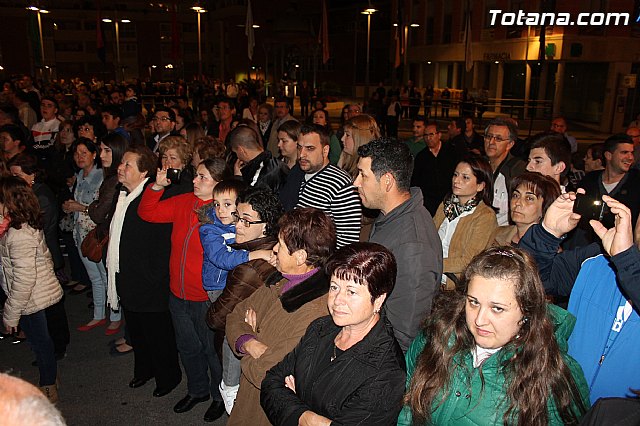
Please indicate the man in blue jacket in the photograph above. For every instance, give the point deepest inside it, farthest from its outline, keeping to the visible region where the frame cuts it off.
(604, 293)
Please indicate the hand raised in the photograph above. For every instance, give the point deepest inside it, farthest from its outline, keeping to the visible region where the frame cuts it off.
(560, 218)
(620, 237)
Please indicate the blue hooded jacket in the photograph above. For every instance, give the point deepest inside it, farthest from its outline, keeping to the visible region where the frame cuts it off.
(218, 257)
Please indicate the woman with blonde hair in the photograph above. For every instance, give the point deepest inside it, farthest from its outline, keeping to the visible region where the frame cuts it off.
(358, 131)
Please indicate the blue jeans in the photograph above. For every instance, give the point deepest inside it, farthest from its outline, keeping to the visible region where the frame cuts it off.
(195, 345)
(98, 275)
(35, 328)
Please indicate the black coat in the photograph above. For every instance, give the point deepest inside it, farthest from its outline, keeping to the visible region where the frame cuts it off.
(143, 280)
(363, 386)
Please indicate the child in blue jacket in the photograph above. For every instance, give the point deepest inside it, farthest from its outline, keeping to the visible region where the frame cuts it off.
(217, 232)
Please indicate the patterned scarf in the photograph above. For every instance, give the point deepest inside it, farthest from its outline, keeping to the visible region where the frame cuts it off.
(453, 209)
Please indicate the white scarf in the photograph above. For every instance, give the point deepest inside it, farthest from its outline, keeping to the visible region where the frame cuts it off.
(113, 250)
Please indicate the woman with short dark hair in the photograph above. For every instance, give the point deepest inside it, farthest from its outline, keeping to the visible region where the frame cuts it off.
(266, 326)
(531, 195)
(348, 368)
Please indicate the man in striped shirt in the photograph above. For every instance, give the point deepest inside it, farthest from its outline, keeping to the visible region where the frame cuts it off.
(325, 186)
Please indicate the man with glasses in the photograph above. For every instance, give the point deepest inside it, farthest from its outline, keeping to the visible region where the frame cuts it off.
(164, 122)
(499, 137)
(433, 168)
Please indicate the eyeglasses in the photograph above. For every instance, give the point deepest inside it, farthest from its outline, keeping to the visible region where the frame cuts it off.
(497, 138)
(156, 119)
(247, 223)
(430, 135)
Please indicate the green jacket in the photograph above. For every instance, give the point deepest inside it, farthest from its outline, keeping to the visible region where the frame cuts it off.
(468, 404)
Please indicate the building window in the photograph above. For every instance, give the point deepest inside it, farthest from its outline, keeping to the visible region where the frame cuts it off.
(447, 21)
(69, 47)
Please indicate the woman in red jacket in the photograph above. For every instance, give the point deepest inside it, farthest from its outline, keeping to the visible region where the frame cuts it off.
(188, 302)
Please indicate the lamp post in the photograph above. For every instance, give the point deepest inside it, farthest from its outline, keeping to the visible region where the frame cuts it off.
(405, 68)
(369, 11)
(199, 10)
(39, 12)
(116, 23)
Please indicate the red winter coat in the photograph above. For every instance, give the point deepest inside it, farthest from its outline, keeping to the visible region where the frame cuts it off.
(185, 263)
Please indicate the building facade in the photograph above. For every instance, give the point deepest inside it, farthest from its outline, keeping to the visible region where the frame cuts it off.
(586, 73)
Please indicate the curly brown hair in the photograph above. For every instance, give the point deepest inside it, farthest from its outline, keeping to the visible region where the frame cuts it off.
(535, 372)
(20, 203)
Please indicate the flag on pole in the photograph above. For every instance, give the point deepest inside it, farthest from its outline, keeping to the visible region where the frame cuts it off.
(468, 56)
(397, 37)
(249, 32)
(101, 51)
(323, 37)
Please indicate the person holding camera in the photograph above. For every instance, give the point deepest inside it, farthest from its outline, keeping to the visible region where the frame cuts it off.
(188, 302)
(175, 157)
(603, 290)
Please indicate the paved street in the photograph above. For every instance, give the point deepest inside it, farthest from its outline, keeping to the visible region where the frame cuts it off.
(94, 385)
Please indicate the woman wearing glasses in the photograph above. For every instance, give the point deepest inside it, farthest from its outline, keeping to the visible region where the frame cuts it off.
(257, 213)
(188, 302)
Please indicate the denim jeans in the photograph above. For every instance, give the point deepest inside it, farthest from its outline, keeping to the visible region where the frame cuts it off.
(35, 328)
(231, 369)
(98, 275)
(195, 345)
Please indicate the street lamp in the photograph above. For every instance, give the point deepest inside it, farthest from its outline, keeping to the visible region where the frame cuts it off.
(116, 23)
(369, 11)
(199, 10)
(40, 11)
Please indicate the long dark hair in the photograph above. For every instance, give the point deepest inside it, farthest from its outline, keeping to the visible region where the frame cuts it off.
(20, 203)
(118, 145)
(534, 372)
(482, 171)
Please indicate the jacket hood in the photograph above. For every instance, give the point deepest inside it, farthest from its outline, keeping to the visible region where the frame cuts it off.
(563, 323)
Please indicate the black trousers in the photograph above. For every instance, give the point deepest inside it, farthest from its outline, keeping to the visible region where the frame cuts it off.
(154, 347)
(58, 326)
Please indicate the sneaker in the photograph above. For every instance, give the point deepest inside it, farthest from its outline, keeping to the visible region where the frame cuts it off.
(228, 395)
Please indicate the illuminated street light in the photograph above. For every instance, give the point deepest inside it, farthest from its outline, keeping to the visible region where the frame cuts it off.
(116, 22)
(199, 10)
(369, 11)
(415, 25)
(39, 12)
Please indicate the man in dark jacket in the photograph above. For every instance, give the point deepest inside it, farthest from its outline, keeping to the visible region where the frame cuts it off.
(434, 167)
(406, 228)
(499, 138)
(255, 165)
(617, 180)
(603, 289)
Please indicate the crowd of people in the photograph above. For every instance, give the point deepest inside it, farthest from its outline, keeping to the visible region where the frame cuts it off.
(299, 275)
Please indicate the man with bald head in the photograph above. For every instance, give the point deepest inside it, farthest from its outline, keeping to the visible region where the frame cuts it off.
(22, 404)
(255, 165)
